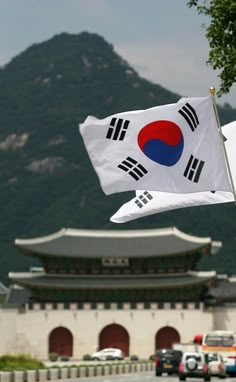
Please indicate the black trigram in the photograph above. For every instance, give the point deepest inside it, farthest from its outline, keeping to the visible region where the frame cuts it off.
(190, 116)
(133, 168)
(117, 129)
(143, 199)
(194, 169)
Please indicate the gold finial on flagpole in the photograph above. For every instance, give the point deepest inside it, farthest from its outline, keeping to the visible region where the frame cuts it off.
(212, 91)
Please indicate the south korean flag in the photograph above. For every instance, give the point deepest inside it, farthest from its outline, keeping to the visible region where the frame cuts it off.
(173, 148)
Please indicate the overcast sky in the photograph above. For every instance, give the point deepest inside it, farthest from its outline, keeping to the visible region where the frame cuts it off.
(163, 40)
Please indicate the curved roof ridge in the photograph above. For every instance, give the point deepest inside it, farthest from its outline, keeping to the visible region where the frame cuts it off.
(189, 237)
(115, 233)
(118, 233)
(41, 239)
(202, 273)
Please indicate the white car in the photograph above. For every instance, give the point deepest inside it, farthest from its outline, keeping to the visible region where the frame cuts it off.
(194, 365)
(108, 354)
(216, 365)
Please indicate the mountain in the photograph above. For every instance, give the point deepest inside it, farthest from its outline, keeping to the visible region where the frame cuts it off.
(47, 181)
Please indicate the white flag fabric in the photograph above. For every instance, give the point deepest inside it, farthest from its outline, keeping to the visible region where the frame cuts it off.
(151, 202)
(172, 148)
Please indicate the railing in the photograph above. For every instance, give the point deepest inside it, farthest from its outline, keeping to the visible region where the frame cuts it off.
(74, 372)
(115, 306)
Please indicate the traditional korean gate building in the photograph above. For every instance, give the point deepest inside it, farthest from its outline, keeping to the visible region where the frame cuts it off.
(136, 290)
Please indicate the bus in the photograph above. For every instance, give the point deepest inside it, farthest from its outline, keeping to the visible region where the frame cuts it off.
(223, 342)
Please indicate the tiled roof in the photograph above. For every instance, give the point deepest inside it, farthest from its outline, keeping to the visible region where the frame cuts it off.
(128, 243)
(225, 291)
(114, 281)
(3, 288)
(17, 296)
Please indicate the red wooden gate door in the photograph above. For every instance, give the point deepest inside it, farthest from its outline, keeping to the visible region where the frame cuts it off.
(61, 342)
(114, 336)
(165, 338)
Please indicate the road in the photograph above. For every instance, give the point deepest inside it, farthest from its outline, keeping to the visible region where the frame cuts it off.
(142, 377)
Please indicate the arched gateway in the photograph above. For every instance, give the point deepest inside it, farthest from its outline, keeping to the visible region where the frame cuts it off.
(114, 336)
(165, 338)
(61, 341)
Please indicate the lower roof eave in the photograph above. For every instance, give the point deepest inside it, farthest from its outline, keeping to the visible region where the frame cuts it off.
(83, 283)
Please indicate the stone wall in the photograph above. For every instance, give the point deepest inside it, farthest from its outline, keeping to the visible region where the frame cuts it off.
(27, 331)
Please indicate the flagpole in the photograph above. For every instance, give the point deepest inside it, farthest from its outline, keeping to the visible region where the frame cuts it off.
(212, 92)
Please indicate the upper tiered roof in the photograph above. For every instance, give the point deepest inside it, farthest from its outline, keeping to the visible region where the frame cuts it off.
(102, 243)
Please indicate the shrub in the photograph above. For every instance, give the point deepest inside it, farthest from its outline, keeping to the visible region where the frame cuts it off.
(53, 357)
(87, 357)
(134, 358)
(152, 357)
(64, 357)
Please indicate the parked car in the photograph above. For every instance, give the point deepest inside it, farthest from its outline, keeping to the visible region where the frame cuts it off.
(194, 365)
(107, 354)
(230, 365)
(167, 361)
(216, 365)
